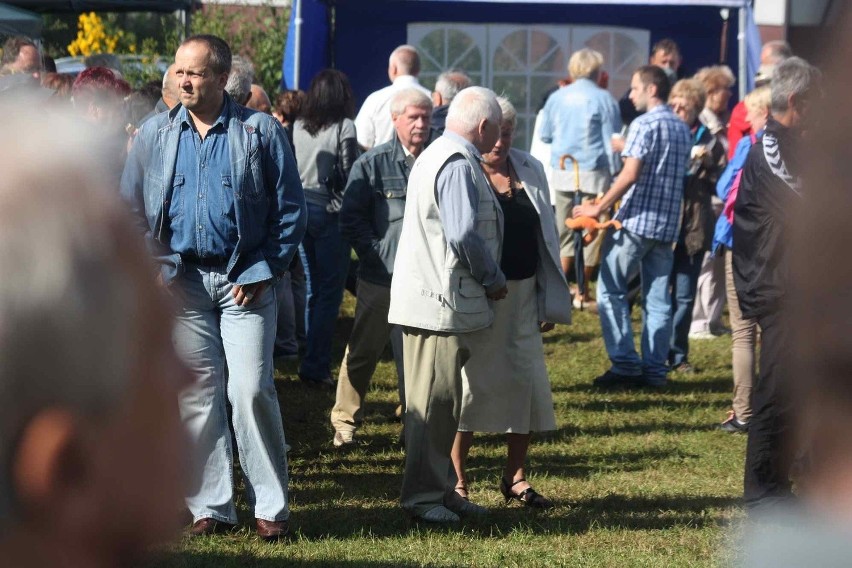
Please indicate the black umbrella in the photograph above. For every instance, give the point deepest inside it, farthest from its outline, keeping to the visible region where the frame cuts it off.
(579, 259)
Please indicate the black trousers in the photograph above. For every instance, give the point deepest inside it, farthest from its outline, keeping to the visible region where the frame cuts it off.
(768, 454)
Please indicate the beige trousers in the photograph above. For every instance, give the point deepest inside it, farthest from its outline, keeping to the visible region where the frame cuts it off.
(709, 296)
(433, 395)
(743, 339)
(370, 334)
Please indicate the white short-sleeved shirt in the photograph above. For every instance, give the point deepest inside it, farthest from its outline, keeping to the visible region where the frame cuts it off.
(373, 123)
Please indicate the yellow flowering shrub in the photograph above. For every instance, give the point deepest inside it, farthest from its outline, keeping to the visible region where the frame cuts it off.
(92, 37)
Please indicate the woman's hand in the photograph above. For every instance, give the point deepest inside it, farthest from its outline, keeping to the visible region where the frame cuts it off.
(545, 326)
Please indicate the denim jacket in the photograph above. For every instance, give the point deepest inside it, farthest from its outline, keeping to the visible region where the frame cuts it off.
(372, 210)
(269, 203)
(580, 119)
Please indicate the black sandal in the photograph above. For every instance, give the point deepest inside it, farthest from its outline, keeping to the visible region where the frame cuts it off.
(529, 496)
(462, 488)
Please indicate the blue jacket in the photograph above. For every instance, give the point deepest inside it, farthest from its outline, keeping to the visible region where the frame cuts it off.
(724, 233)
(580, 119)
(269, 203)
(373, 208)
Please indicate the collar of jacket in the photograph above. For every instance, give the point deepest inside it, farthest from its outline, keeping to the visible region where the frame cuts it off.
(788, 139)
(235, 111)
(779, 130)
(398, 154)
(526, 173)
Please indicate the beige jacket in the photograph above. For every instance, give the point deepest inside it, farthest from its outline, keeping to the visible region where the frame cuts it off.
(431, 289)
(554, 300)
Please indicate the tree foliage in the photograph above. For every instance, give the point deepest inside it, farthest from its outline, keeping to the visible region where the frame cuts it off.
(258, 33)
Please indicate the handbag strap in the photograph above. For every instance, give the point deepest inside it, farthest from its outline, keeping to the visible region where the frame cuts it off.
(339, 141)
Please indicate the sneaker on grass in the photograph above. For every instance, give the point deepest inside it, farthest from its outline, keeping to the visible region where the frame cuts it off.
(733, 425)
(343, 439)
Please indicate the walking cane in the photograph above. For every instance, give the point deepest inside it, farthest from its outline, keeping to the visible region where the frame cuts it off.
(579, 260)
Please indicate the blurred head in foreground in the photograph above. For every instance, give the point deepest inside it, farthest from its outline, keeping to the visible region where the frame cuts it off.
(92, 458)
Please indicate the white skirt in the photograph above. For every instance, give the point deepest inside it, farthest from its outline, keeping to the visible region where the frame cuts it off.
(505, 383)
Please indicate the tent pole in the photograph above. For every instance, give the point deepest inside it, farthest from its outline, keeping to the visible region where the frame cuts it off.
(184, 23)
(741, 40)
(297, 56)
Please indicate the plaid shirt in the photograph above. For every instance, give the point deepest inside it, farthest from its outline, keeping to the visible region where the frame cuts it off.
(652, 207)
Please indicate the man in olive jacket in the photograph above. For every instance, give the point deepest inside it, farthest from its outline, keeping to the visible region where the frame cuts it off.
(371, 220)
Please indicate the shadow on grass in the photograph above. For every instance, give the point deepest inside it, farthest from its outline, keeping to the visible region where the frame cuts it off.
(571, 431)
(358, 479)
(640, 404)
(190, 559)
(570, 336)
(713, 383)
(615, 512)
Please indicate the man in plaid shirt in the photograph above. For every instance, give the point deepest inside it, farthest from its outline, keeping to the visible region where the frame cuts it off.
(651, 183)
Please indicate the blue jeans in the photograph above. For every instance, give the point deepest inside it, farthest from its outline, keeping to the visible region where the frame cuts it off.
(325, 257)
(624, 256)
(212, 333)
(684, 283)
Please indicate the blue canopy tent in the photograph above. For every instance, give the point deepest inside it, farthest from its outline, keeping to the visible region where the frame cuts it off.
(356, 36)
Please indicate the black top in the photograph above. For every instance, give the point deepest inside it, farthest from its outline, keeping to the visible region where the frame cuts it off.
(763, 217)
(439, 121)
(520, 242)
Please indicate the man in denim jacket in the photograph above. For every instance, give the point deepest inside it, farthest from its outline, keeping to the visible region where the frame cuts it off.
(371, 220)
(215, 190)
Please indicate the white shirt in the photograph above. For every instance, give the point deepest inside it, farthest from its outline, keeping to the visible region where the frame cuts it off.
(373, 123)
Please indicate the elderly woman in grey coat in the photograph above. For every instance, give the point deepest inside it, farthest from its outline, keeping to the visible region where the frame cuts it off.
(505, 384)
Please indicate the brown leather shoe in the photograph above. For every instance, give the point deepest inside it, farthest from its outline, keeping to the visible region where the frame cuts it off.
(272, 530)
(207, 526)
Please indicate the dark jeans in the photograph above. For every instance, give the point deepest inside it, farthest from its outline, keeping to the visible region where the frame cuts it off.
(291, 290)
(768, 459)
(325, 258)
(684, 283)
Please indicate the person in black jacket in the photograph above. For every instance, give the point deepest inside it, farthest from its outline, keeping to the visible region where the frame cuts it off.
(768, 196)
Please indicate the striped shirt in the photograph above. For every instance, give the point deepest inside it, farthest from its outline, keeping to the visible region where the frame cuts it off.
(652, 207)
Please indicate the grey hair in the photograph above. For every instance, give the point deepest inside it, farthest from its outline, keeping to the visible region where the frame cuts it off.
(68, 310)
(470, 107)
(409, 97)
(450, 83)
(792, 77)
(510, 115)
(170, 87)
(240, 79)
(779, 50)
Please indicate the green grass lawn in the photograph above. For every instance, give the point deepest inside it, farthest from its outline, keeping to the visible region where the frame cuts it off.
(640, 478)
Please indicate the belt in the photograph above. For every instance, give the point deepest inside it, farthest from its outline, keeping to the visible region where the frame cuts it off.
(207, 261)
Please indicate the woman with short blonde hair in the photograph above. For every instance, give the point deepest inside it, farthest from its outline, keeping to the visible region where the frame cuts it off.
(585, 64)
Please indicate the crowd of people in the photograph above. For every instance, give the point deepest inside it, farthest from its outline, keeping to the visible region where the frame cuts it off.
(244, 209)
